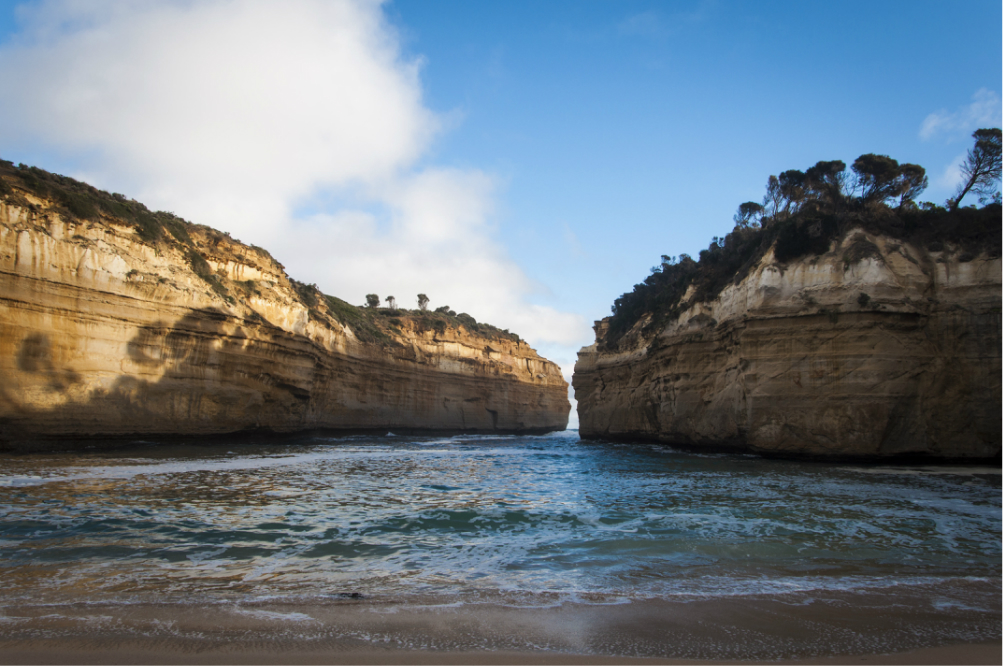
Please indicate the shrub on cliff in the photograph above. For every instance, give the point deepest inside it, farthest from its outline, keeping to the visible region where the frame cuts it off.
(84, 202)
(75, 199)
(801, 215)
(309, 294)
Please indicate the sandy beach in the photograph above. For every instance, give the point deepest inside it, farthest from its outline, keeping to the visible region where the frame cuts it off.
(98, 651)
(829, 629)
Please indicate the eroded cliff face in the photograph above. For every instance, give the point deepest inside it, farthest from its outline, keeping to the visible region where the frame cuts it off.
(874, 350)
(104, 334)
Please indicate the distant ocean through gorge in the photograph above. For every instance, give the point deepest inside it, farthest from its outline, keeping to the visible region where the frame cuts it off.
(515, 543)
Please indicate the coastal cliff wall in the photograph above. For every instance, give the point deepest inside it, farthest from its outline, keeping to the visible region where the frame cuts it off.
(874, 349)
(105, 333)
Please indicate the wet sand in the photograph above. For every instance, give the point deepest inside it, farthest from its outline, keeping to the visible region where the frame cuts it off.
(834, 629)
(62, 652)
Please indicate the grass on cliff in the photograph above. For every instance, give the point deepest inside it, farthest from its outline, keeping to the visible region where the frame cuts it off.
(802, 218)
(86, 203)
(78, 200)
(378, 325)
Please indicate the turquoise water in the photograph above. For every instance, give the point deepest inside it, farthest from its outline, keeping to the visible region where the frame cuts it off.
(519, 521)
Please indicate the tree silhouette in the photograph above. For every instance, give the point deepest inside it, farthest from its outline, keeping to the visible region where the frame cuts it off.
(792, 188)
(372, 301)
(422, 302)
(773, 199)
(981, 167)
(910, 182)
(826, 182)
(784, 193)
(877, 176)
(747, 214)
(391, 302)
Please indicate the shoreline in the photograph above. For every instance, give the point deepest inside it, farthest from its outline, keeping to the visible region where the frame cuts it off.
(887, 627)
(96, 651)
(138, 441)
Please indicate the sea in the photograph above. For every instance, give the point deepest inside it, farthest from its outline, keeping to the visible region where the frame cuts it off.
(498, 542)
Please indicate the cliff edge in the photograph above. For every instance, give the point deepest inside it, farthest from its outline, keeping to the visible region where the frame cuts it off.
(119, 322)
(876, 347)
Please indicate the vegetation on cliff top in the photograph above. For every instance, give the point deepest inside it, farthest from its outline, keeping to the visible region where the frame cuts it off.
(804, 212)
(81, 201)
(372, 323)
(84, 202)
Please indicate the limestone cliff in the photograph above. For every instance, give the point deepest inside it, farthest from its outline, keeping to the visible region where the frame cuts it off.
(875, 348)
(118, 322)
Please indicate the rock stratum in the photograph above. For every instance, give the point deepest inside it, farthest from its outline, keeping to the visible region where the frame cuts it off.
(875, 349)
(116, 322)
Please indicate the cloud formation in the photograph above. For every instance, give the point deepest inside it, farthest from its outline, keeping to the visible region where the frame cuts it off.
(240, 113)
(438, 241)
(219, 107)
(984, 111)
(952, 177)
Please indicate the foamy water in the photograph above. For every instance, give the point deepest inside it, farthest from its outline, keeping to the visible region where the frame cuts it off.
(523, 521)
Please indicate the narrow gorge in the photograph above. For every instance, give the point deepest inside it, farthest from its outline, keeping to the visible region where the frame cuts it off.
(118, 323)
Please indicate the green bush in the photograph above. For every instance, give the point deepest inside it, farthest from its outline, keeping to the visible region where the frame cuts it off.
(308, 293)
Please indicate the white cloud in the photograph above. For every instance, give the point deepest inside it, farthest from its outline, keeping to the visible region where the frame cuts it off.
(952, 177)
(438, 242)
(984, 111)
(234, 112)
(222, 109)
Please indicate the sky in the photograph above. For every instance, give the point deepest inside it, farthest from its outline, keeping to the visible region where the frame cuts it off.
(525, 162)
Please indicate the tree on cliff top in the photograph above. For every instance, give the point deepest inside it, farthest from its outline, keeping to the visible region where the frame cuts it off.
(981, 167)
(804, 212)
(748, 215)
(784, 194)
(422, 302)
(881, 178)
(372, 301)
(827, 183)
(876, 176)
(391, 302)
(911, 181)
(792, 187)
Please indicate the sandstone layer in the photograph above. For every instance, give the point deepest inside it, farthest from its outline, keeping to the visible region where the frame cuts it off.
(873, 350)
(105, 335)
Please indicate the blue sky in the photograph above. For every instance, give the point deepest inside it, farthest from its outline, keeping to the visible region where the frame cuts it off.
(636, 128)
(527, 162)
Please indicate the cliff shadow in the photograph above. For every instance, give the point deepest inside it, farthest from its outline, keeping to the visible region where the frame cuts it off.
(178, 377)
(35, 356)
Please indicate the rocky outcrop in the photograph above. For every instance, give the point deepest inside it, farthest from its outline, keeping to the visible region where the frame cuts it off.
(875, 349)
(105, 334)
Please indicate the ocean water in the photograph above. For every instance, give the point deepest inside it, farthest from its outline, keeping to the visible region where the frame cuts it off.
(515, 522)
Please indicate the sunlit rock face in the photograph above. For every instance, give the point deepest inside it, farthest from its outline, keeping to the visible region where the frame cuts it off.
(105, 335)
(874, 350)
